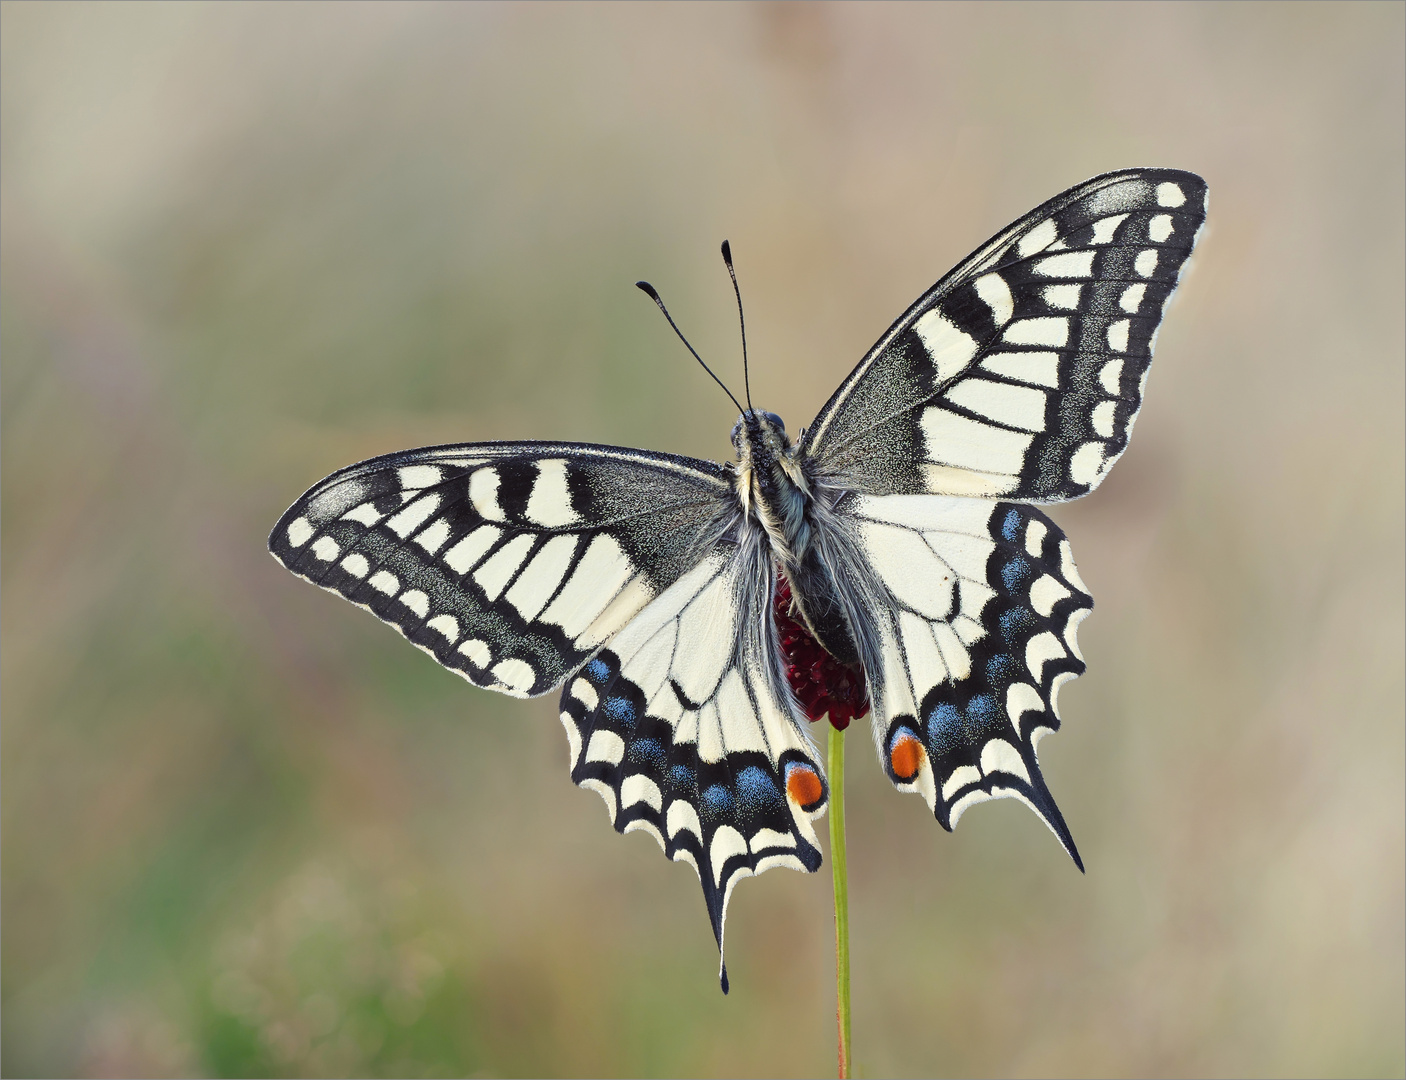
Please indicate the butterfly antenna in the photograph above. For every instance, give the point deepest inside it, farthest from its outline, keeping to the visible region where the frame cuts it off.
(649, 290)
(746, 383)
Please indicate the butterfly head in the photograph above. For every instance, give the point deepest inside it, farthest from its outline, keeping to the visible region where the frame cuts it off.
(759, 433)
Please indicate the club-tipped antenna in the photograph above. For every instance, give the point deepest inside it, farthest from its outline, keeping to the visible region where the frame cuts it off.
(746, 382)
(649, 290)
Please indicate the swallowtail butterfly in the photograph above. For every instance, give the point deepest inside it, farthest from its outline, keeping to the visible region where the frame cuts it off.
(696, 616)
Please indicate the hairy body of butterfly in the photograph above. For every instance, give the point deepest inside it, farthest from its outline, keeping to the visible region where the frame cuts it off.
(891, 546)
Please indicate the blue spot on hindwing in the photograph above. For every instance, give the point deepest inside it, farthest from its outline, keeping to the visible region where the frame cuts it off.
(1016, 623)
(1010, 527)
(944, 725)
(1016, 575)
(1001, 669)
(681, 780)
(984, 708)
(757, 791)
(647, 754)
(716, 804)
(597, 671)
(619, 709)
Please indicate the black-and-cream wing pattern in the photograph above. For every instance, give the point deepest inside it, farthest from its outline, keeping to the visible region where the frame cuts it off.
(983, 602)
(1020, 373)
(684, 726)
(519, 565)
(509, 563)
(643, 585)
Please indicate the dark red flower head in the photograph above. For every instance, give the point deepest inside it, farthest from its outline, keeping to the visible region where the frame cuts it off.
(820, 682)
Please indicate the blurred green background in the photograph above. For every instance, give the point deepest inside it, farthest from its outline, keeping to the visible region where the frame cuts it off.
(248, 830)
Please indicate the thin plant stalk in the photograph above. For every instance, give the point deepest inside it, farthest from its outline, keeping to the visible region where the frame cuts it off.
(838, 864)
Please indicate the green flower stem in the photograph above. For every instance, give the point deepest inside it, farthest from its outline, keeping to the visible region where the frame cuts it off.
(838, 863)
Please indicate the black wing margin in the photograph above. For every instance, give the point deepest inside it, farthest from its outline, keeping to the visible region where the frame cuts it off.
(509, 563)
(1020, 373)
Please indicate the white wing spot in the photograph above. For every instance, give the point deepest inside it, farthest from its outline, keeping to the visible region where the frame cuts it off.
(473, 547)
(1038, 238)
(1131, 299)
(447, 625)
(1035, 534)
(325, 548)
(949, 348)
(960, 777)
(586, 694)
(683, 817)
(517, 675)
(433, 538)
(770, 838)
(1110, 377)
(1104, 230)
(477, 652)
(1039, 651)
(366, 513)
(420, 476)
(1000, 756)
(416, 601)
(300, 531)
(1022, 698)
(1102, 418)
(1159, 228)
(1063, 297)
(356, 565)
(550, 502)
(1073, 264)
(727, 842)
(1118, 336)
(1059, 680)
(1050, 330)
(483, 493)
(1067, 567)
(1046, 593)
(1085, 463)
(1168, 194)
(1037, 368)
(413, 516)
(637, 789)
(386, 582)
(604, 746)
(996, 294)
(1146, 263)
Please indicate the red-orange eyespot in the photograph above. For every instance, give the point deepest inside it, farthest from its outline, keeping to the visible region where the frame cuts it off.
(803, 786)
(906, 757)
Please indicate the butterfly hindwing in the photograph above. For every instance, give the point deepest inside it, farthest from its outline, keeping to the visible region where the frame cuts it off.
(985, 604)
(510, 563)
(685, 729)
(1020, 373)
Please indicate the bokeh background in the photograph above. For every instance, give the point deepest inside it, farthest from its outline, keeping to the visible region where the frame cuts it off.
(248, 830)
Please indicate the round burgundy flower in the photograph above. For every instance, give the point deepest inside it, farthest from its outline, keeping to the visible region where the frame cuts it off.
(820, 682)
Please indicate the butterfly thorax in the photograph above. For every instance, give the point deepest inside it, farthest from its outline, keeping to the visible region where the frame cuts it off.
(771, 485)
(776, 495)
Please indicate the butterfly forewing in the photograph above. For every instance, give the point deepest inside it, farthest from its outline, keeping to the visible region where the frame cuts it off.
(510, 563)
(1021, 372)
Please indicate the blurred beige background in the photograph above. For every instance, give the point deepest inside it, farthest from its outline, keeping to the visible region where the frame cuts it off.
(248, 830)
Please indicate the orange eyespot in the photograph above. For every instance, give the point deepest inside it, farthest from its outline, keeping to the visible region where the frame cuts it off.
(804, 787)
(906, 757)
